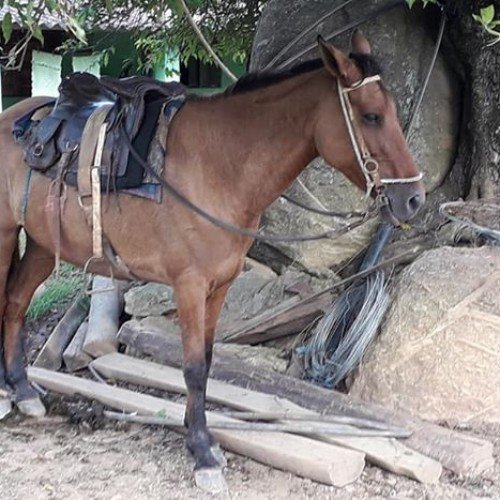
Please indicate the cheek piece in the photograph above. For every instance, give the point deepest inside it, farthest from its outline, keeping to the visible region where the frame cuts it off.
(367, 163)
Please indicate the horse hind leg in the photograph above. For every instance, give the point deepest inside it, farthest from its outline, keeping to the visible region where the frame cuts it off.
(8, 249)
(27, 274)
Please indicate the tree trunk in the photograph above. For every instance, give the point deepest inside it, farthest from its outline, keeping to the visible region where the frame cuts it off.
(477, 167)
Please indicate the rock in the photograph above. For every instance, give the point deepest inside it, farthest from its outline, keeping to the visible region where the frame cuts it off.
(438, 353)
(152, 299)
(259, 288)
(266, 358)
(404, 45)
(157, 332)
(160, 324)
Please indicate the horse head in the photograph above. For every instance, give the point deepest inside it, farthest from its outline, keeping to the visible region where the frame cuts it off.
(367, 145)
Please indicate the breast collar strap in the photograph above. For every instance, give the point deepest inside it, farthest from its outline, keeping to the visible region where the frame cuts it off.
(367, 163)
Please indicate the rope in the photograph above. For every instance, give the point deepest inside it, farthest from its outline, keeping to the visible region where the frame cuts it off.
(301, 35)
(420, 97)
(340, 31)
(464, 221)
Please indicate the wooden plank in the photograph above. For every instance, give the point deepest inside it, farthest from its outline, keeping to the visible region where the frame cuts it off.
(286, 319)
(458, 452)
(74, 356)
(305, 457)
(105, 309)
(388, 453)
(51, 354)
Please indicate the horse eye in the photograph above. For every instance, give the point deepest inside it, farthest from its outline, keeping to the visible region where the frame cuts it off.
(372, 118)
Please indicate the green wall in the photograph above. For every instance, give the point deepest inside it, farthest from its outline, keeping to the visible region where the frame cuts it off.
(120, 63)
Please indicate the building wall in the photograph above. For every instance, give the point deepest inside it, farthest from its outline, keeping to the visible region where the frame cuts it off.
(41, 73)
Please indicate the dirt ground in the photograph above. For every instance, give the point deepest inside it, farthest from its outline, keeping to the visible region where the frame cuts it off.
(64, 457)
(76, 454)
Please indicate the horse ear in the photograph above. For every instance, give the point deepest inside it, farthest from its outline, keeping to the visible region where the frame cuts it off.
(359, 43)
(335, 61)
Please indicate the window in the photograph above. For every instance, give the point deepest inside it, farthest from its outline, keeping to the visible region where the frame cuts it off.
(196, 74)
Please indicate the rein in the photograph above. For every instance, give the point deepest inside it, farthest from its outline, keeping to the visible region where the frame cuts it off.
(368, 165)
(169, 188)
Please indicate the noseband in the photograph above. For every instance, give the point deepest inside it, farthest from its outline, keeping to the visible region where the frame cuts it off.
(367, 163)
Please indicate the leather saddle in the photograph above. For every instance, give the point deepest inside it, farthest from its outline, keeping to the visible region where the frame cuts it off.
(128, 104)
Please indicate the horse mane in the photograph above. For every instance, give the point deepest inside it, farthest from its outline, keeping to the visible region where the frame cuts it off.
(255, 80)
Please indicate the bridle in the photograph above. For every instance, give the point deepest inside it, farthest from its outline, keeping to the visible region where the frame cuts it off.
(367, 163)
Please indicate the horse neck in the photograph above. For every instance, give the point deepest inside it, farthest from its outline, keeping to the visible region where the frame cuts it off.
(260, 140)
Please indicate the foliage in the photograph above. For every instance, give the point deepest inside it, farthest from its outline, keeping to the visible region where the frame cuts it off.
(425, 2)
(58, 291)
(486, 18)
(156, 26)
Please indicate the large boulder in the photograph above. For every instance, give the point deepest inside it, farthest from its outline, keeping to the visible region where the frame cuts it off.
(151, 299)
(438, 355)
(404, 45)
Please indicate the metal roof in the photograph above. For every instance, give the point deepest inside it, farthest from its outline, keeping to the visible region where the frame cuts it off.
(127, 22)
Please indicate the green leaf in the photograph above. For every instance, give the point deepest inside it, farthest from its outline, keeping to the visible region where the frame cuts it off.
(176, 7)
(410, 3)
(7, 26)
(37, 33)
(487, 14)
(52, 5)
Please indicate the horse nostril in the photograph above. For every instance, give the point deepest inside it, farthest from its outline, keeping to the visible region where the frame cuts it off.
(414, 203)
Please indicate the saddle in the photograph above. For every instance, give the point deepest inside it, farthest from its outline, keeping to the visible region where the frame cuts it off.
(131, 104)
(78, 139)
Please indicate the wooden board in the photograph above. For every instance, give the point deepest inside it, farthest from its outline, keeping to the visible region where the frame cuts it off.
(74, 357)
(388, 453)
(105, 309)
(463, 454)
(286, 319)
(304, 457)
(51, 355)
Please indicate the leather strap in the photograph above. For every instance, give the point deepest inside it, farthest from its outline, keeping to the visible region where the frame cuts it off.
(96, 194)
(88, 147)
(89, 186)
(55, 204)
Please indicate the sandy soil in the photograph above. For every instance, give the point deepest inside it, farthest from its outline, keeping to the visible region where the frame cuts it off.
(64, 457)
(76, 454)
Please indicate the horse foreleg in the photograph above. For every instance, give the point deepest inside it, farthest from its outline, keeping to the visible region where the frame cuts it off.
(213, 307)
(191, 296)
(26, 275)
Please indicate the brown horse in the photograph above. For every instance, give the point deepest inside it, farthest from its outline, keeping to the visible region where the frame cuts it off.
(232, 155)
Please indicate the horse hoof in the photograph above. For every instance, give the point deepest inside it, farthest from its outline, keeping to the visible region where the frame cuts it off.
(219, 455)
(5, 407)
(210, 480)
(32, 407)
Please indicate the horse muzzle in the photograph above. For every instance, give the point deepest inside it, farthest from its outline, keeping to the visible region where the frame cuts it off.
(404, 202)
